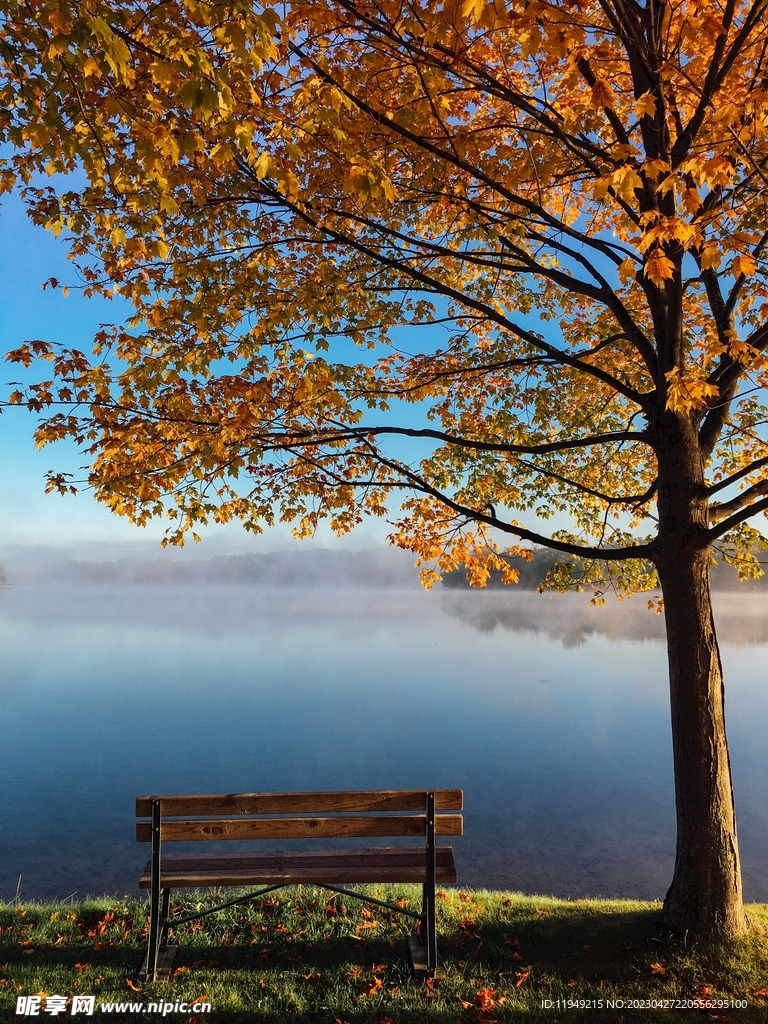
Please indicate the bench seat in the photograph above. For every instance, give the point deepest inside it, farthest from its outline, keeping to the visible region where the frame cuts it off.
(393, 864)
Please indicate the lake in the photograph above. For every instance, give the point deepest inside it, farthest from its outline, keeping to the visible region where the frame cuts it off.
(551, 715)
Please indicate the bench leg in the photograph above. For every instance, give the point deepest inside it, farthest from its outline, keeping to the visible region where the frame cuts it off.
(154, 896)
(429, 929)
(164, 918)
(430, 938)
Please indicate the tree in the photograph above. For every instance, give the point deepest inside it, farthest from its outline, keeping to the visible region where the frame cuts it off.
(567, 198)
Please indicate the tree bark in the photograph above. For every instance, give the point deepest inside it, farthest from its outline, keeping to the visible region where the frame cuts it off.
(705, 897)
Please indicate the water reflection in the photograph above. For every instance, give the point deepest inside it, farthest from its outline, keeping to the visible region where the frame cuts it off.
(570, 618)
(552, 715)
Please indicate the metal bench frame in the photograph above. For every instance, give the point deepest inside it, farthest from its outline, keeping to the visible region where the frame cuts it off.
(159, 959)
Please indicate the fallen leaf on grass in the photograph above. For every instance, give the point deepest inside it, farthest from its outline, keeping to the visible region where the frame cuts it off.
(516, 956)
(311, 976)
(658, 969)
(703, 990)
(82, 967)
(354, 972)
(761, 992)
(485, 999)
(373, 986)
(133, 985)
(522, 976)
(465, 1005)
(179, 970)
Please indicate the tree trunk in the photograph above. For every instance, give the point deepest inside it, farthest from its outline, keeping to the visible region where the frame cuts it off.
(705, 895)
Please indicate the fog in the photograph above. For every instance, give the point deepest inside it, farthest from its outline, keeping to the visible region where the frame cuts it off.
(302, 567)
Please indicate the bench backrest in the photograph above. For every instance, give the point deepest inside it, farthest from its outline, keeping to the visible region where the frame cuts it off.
(301, 815)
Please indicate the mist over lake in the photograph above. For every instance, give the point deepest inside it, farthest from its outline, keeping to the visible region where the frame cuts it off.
(552, 715)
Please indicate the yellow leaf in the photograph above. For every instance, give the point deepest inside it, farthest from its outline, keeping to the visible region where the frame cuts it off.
(264, 166)
(658, 267)
(626, 180)
(645, 105)
(473, 9)
(744, 264)
(602, 95)
(627, 270)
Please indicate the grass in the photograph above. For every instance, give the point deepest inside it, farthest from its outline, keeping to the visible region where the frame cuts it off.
(303, 955)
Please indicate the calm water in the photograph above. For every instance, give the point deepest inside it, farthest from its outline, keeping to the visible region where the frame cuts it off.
(551, 715)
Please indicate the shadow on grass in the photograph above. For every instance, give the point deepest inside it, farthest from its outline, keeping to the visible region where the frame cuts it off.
(507, 959)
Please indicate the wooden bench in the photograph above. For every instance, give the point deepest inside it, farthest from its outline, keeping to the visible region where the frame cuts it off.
(282, 816)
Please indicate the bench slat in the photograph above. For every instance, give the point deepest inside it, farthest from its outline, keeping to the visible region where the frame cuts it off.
(298, 828)
(377, 865)
(307, 803)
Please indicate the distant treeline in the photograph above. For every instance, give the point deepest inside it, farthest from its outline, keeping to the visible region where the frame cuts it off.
(532, 573)
(315, 567)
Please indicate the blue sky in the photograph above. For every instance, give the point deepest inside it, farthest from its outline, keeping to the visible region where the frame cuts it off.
(28, 257)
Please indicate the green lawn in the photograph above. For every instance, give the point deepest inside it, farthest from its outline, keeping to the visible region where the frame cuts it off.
(302, 955)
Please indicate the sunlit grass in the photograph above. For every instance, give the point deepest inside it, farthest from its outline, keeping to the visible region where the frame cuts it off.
(306, 955)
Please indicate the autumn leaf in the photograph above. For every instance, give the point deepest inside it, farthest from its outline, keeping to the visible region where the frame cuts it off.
(602, 94)
(82, 967)
(762, 993)
(522, 976)
(132, 985)
(645, 105)
(743, 264)
(658, 267)
(485, 999)
(373, 986)
(657, 968)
